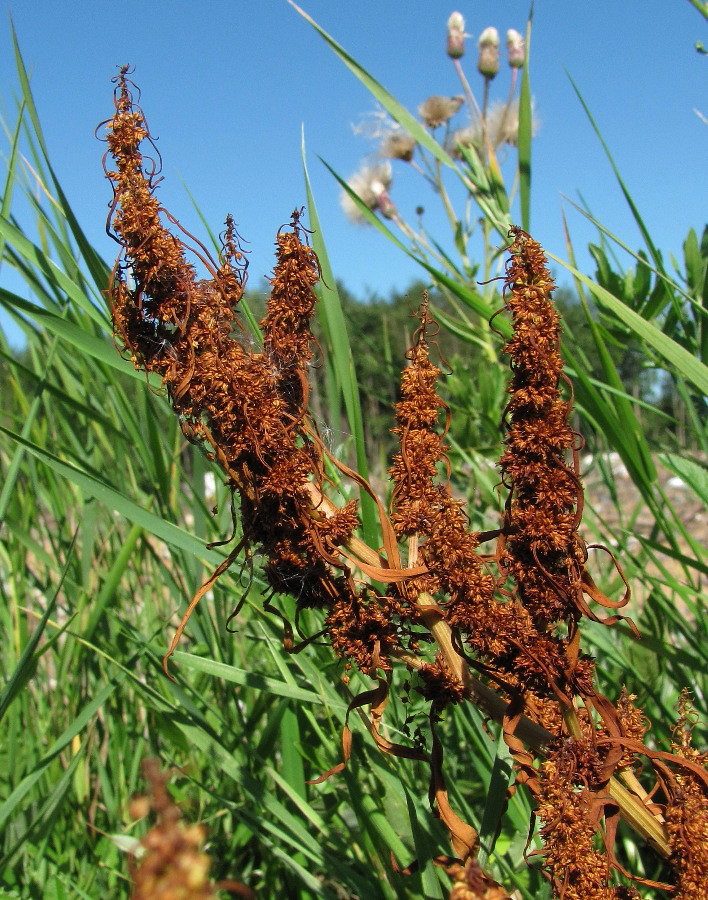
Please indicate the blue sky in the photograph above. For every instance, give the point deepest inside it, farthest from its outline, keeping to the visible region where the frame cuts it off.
(228, 86)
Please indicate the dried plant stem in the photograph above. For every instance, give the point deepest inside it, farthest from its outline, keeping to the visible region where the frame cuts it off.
(642, 820)
(633, 810)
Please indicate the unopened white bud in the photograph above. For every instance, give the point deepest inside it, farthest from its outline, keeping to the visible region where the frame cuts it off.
(488, 63)
(516, 48)
(456, 36)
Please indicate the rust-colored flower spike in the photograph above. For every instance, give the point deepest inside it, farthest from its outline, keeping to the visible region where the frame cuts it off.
(424, 512)
(247, 407)
(687, 811)
(542, 551)
(174, 864)
(570, 815)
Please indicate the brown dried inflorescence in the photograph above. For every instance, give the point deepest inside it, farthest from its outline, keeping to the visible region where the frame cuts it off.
(542, 553)
(687, 811)
(471, 883)
(424, 511)
(569, 810)
(540, 550)
(247, 407)
(426, 598)
(174, 864)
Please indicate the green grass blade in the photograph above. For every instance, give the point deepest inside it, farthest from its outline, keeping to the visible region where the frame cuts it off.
(39, 260)
(65, 738)
(10, 179)
(89, 344)
(671, 283)
(341, 356)
(16, 462)
(685, 363)
(96, 265)
(690, 472)
(91, 486)
(43, 819)
(526, 134)
(112, 581)
(655, 255)
(253, 680)
(23, 669)
(496, 800)
(382, 96)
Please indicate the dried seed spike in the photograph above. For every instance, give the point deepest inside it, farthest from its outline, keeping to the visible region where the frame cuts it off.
(542, 552)
(287, 335)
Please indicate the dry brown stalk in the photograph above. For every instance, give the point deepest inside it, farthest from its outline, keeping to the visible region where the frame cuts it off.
(505, 626)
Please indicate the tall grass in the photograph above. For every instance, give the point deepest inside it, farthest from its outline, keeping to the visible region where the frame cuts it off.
(107, 516)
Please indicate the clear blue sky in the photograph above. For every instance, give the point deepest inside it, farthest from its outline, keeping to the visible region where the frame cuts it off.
(227, 86)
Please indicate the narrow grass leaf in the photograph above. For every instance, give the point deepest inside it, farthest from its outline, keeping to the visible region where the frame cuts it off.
(79, 723)
(526, 134)
(425, 851)
(113, 499)
(96, 265)
(305, 809)
(291, 758)
(382, 96)
(341, 355)
(89, 344)
(671, 283)
(496, 800)
(685, 363)
(43, 821)
(37, 258)
(253, 680)
(25, 664)
(693, 474)
(6, 203)
(655, 255)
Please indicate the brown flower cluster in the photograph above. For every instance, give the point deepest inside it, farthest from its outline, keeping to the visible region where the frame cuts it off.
(426, 599)
(687, 811)
(570, 811)
(174, 865)
(248, 407)
(424, 513)
(543, 553)
(471, 883)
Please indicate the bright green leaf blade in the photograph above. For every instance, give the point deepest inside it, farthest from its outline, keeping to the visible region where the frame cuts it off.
(78, 724)
(113, 499)
(496, 800)
(628, 197)
(685, 363)
(526, 134)
(43, 263)
(254, 680)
